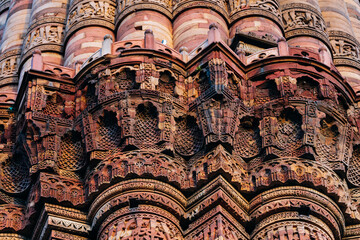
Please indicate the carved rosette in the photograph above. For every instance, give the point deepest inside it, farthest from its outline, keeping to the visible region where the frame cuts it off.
(47, 35)
(345, 49)
(86, 13)
(303, 20)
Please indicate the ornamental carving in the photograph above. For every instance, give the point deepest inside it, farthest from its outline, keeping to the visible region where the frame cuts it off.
(123, 4)
(268, 5)
(216, 228)
(139, 226)
(8, 66)
(90, 10)
(144, 142)
(247, 141)
(344, 45)
(14, 175)
(188, 136)
(293, 230)
(49, 34)
(302, 18)
(11, 217)
(353, 173)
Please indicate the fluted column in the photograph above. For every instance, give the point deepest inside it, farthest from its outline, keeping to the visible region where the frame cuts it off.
(12, 41)
(87, 24)
(344, 44)
(133, 18)
(191, 22)
(46, 30)
(303, 24)
(245, 19)
(4, 11)
(353, 8)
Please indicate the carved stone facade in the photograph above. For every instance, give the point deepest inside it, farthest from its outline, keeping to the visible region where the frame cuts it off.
(179, 120)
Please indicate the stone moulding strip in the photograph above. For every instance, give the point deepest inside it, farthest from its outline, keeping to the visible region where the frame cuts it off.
(228, 188)
(304, 195)
(289, 216)
(55, 216)
(4, 4)
(140, 7)
(353, 231)
(11, 236)
(217, 195)
(257, 12)
(135, 184)
(200, 4)
(213, 213)
(140, 209)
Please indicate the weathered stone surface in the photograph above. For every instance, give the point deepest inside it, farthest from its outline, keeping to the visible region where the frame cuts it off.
(184, 120)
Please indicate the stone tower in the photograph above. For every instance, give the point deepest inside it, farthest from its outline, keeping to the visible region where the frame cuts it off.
(180, 119)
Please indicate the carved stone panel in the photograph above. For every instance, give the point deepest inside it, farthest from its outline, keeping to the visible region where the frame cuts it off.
(141, 226)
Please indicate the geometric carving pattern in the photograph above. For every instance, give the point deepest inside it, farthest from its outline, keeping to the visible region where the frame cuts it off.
(188, 137)
(247, 139)
(14, 175)
(109, 132)
(146, 124)
(353, 173)
(327, 140)
(141, 226)
(71, 155)
(290, 134)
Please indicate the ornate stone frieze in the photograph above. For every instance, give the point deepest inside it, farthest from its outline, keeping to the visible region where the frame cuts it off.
(8, 66)
(303, 19)
(61, 188)
(287, 225)
(126, 6)
(11, 217)
(48, 34)
(268, 5)
(345, 48)
(87, 12)
(137, 225)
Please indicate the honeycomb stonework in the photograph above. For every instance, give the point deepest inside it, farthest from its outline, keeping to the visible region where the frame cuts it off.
(180, 119)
